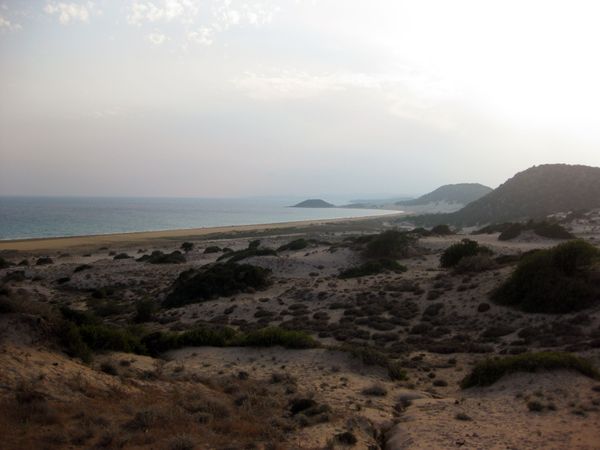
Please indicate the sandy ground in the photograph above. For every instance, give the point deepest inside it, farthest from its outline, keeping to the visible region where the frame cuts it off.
(429, 320)
(146, 237)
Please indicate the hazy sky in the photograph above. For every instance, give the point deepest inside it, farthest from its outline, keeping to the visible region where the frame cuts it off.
(315, 97)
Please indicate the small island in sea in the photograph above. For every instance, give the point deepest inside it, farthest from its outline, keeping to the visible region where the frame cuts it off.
(314, 203)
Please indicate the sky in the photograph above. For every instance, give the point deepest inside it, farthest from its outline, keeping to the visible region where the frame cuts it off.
(217, 98)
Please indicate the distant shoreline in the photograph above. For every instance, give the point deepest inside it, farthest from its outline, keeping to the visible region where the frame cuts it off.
(58, 243)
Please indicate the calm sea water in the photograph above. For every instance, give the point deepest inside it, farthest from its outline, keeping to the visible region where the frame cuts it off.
(35, 217)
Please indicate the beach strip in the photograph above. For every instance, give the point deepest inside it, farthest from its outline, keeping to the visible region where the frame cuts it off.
(140, 237)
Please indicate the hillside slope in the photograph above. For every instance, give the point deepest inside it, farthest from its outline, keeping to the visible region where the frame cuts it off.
(531, 194)
(463, 193)
(313, 203)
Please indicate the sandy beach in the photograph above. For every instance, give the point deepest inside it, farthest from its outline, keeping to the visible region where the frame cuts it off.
(141, 237)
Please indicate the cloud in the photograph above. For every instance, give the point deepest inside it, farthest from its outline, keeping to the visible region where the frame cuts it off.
(203, 36)
(408, 94)
(6, 24)
(142, 12)
(70, 12)
(156, 38)
(203, 20)
(286, 85)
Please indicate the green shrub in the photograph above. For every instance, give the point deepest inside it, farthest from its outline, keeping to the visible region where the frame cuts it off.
(217, 280)
(205, 336)
(489, 371)
(512, 231)
(81, 268)
(297, 244)
(550, 230)
(535, 406)
(158, 257)
(453, 254)
(187, 247)
(246, 253)
(441, 230)
(104, 337)
(4, 263)
(475, 263)
(372, 268)
(370, 356)
(159, 342)
(78, 317)
(252, 250)
(557, 280)
(7, 306)
(420, 232)
(391, 244)
(70, 338)
(212, 249)
(144, 310)
(396, 372)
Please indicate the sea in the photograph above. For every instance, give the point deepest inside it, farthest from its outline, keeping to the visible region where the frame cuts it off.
(42, 217)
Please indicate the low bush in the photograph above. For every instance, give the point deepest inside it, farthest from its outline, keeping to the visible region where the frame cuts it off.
(391, 244)
(370, 356)
(43, 261)
(247, 253)
(271, 336)
(206, 336)
(489, 371)
(70, 338)
(442, 230)
(557, 280)
(297, 244)
(78, 317)
(475, 263)
(160, 342)
(187, 247)
(4, 264)
(372, 268)
(212, 249)
(145, 310)
(550, 230)
(105, 337)
(81, 268)
(467, 247)
(158, 257)
(512, 231)
(217, 280)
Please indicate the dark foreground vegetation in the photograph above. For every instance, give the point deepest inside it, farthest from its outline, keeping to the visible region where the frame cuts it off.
(82, 334)
(544, 228)
(214, 281)
(489, 371)
(562, 279)
(372, 268)
(453, 255)
(158, 257)
(254, 249)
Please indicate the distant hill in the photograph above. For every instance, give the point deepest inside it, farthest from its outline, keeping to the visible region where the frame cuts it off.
(314, 203)
(532, 194)
(463, 193)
